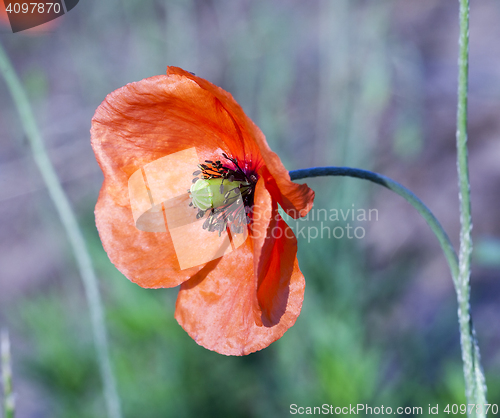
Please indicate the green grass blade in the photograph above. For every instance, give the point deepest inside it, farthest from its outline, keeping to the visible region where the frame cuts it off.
(73, 231)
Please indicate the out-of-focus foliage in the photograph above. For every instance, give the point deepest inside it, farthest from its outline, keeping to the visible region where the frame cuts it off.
(330, 83)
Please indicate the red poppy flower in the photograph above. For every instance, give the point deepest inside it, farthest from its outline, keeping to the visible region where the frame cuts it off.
(145, 134)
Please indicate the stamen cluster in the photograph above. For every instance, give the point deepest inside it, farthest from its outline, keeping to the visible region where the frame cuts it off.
(228, 203)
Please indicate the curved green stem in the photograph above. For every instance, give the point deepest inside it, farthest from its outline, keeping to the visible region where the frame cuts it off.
(406, 194)
(73, 231)
(475, 386)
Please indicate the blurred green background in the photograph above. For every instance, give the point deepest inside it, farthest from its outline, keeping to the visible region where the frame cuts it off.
(370, 84)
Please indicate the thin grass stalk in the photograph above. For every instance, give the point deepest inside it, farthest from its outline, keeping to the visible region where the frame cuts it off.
(475, 384)
(474, 381)
(8, 394)
(73, 231)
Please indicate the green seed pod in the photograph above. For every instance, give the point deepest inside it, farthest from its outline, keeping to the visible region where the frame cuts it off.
(212, 193)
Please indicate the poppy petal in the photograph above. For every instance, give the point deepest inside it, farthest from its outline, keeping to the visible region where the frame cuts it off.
(241, 128)
(274, 248)
(146, 258)
(135, 125)
(262, 214)
(144, 121)
(216, 307)
(296, 199)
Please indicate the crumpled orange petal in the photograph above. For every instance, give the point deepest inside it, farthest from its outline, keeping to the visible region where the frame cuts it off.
(217, 306)
(296, 199)
(245, 300)
(275, 249)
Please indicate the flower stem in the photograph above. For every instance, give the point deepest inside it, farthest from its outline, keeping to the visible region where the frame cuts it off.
(474, 378)
(73, 231)
(8, 395)
(408, 195)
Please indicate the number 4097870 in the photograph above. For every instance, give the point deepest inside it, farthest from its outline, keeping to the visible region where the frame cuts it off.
(33, 8)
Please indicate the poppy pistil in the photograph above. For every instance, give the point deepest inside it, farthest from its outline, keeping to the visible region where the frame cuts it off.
(225, 193)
